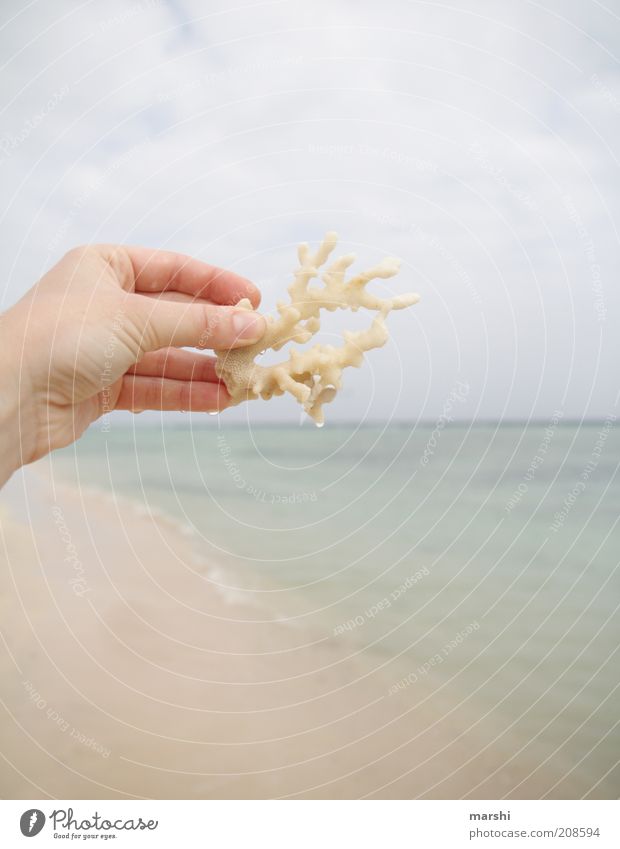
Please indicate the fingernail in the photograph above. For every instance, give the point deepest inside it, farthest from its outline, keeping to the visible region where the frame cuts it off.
(248, 326)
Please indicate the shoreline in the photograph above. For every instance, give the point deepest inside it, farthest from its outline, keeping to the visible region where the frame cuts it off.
(129, 674)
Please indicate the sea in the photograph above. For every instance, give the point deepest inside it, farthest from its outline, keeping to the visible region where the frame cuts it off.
(483, 555)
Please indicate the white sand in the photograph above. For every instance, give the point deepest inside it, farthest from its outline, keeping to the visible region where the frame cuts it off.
(126, 673)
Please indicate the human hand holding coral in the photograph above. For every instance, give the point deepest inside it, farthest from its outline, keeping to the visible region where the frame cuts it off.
(104, 330)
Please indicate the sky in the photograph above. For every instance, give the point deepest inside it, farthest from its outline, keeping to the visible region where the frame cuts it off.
(477, 141)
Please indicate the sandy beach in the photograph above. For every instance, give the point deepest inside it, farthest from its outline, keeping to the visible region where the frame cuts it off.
(127, 672)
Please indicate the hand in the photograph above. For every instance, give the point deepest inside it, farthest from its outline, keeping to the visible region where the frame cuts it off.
(103, 330)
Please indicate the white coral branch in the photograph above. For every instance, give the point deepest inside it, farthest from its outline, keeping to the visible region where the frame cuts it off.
(313, 376)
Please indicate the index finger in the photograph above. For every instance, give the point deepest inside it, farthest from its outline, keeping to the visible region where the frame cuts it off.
(162, 271)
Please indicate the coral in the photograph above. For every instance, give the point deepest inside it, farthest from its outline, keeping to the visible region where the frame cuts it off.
(312, 376)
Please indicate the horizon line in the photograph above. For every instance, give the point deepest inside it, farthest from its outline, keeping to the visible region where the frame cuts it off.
(380, 422)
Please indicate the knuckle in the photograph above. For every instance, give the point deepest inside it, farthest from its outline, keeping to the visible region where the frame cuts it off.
(119, 261)
(115, 256)
(185, 396)
(209, 323)
(153, 395)
(78, 253)
(140, 330)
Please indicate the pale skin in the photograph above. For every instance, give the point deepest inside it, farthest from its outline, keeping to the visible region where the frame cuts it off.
(105, 330)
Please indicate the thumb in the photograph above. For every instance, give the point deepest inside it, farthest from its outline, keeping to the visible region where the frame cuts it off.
(163, 323)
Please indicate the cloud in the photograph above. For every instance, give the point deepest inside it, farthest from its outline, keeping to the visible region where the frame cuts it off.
(477, 143)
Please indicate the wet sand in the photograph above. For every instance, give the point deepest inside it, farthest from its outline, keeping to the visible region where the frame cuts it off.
(127, 672)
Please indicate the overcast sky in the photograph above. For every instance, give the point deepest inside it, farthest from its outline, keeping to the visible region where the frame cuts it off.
(478, 141)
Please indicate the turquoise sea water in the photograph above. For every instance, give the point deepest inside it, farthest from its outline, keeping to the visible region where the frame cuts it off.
(485, 556)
